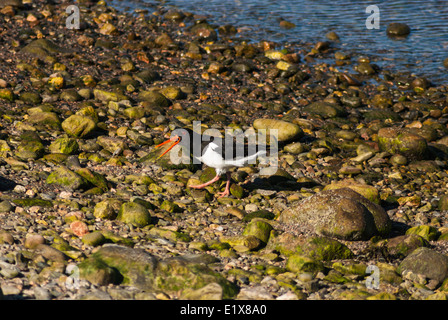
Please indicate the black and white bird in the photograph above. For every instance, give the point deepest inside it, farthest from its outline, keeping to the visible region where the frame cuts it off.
(211, 151)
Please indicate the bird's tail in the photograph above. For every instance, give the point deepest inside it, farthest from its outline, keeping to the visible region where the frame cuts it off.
(242, 161)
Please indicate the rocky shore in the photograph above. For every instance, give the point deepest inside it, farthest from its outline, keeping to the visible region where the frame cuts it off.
(357, 209)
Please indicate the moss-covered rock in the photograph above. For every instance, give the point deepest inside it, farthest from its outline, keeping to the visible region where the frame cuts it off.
(66, 178)
(259, 229)
(44, 49)
(30, 149)
(402, 141)
(298, 263)
(93, 178)
(242, 243)
(106, 96)
(64, 145)
(98, 272)
(6, 94)
(78, 126)
(264, 214)
(170, 206)
(428, 233)
(50, 119)
(323, 249)
(94, 239)
(155, 98)
(171, 235)
(135, 214)
(142, 270)
(31, 202)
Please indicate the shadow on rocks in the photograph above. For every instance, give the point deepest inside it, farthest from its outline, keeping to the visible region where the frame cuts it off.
(6, 184)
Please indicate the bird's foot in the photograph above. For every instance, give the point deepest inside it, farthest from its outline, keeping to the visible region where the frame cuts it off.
(223, 194)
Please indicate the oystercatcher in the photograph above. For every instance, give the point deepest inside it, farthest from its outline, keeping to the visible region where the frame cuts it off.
(211, 151)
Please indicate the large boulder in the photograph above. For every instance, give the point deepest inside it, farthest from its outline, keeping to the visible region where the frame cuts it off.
(340, 213)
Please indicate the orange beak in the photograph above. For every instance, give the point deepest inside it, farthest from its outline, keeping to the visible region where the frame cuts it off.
(174, 139)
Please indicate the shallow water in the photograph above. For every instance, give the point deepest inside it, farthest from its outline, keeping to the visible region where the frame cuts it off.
(421, 53)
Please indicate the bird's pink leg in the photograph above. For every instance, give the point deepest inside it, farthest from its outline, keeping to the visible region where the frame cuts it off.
(201, 186)
(227, 190)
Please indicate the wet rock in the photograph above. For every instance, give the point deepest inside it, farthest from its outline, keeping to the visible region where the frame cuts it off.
(243, 243)
(287, 24)
(44, 49)
(12, 3)
(325, 110)
(286, 131)
(142, 270)
(398, 29)
(154, 98)
(341, 213)
(50, 253)
(31, 147)
(112, 144)
(109, 29)
(134, 113)
(172, 93)
(365, 68)
(212, 291)
(204, 31)
(175, 236)
(369, 192)
(402, 141)
(190, 272)
(79, 228)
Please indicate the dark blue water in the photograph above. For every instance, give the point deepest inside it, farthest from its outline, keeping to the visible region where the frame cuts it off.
(421, 53)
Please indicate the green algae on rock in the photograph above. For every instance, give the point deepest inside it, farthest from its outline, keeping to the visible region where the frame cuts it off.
(402, 141)
(134, 214)
(138, 268)
(67, 178)
(78, 126)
